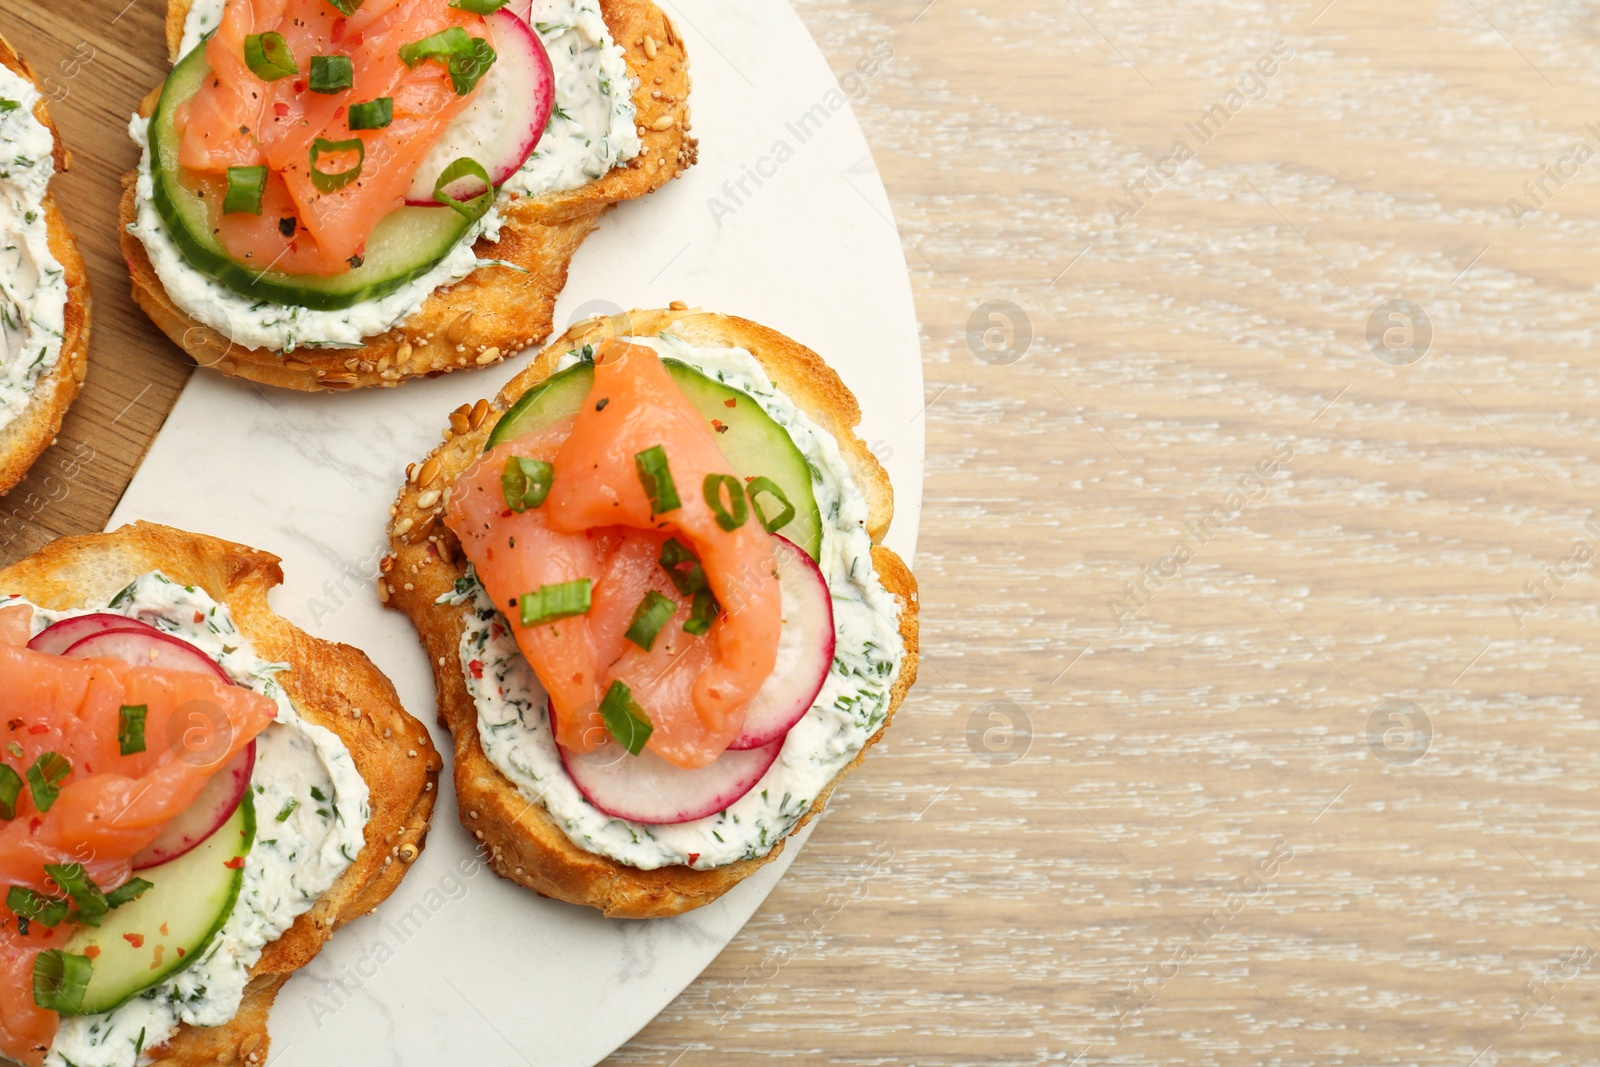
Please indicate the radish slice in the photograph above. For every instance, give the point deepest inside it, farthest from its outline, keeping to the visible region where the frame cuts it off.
(504, 122)
(805, 651)
(58, 637)
(147, 647)
(213, 807)
(647, 789)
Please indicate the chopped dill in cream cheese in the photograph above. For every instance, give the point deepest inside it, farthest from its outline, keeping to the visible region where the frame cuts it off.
(854, 702)
(33, 286)
(301, 768)
(590, 131)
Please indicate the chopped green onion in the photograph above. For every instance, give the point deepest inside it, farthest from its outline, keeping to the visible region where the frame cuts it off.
(287, 809)
(731, 516)
(785, 513)
(526, 482)
(649, 617)
(92, 906)
(688, 580)
(130, 728)
(60, 979)
(9, 105)
(656, 477)
(268, 56)
(345, 7)
(10, 790)
(551, 602)
(466, 57)
(467, 67)
(245, 186)
(625, 720)
(702, 614)
(45, 776)
(36, 907)
(465, 167)
(330, 74)
(478, 7)
(132, 889)
(328, 181)
(441, 45)
(372, 114)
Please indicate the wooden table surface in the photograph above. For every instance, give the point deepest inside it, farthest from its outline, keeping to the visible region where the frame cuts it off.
(1256, 723)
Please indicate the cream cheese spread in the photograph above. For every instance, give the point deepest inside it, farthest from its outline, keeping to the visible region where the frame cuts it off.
(33, 287)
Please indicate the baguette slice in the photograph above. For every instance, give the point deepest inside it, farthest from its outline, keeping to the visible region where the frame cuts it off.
(522, 842)
(495, 311)
(34, 430)
(332, 685)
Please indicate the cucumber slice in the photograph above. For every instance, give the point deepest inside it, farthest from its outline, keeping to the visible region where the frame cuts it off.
(191, 898)
(753, 443)
(405, 245)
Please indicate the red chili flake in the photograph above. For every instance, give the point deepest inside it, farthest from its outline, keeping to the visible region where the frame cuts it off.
(280, 109)
(336, 31)
(199, 617)
(92, 951)
(34, 824)
(719, 426)
(694, 857)
(163, 929)
(180, 952)
(506, 514)
(476, 667)
(732, 401)
(38, 728)
(497, 630)
(47, 933)
(136, 940)
(299, 86)
(235, 863)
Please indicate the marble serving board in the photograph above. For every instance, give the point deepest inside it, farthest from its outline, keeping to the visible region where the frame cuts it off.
(783, 221)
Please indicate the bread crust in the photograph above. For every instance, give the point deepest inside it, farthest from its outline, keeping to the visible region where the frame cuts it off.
(522, 842)
(34, 429)
(495, 311)
(332, 685)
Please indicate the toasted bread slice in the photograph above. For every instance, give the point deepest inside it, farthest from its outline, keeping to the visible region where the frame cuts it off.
(332, 685)
(495, 311)
(523, 843)
(31, 432)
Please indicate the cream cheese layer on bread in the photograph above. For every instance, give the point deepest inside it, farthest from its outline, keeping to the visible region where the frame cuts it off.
(33, 285)
(591, 130)
(514, 730)
(311, 814)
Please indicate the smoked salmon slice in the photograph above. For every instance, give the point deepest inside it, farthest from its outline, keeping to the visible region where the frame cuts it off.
(109, 805)
(239, 120)
(597, 523)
